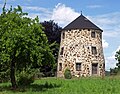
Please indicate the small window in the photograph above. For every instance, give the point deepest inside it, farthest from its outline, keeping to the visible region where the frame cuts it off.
(93, 34)
(63, 35)
(78, 66)
(62, 49)
(60, 66)
(94, 68)
(94, 50)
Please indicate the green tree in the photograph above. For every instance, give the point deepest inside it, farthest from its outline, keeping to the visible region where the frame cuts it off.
(53, 33)
(22, 42)
(117, 57)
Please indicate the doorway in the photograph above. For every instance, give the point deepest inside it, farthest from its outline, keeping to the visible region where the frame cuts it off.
(94, 68)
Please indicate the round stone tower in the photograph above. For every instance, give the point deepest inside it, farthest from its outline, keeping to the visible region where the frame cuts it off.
(81, 49)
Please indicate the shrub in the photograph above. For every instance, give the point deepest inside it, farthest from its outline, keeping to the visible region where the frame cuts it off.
(4, 76)
(38, 75)
(67, 74)
(25, 78)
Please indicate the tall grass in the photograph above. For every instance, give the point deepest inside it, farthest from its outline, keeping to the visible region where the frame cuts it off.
(108, 85)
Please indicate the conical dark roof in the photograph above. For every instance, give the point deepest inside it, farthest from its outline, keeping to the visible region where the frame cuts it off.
(81, 23)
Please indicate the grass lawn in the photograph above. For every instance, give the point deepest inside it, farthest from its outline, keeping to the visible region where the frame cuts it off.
(108, 85)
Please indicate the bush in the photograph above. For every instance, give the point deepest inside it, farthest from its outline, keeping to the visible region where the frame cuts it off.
(25, 78)
(4, 76)
(38, 75)
(67, 74)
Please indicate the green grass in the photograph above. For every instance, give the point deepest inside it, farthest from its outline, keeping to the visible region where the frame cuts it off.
(108, 85)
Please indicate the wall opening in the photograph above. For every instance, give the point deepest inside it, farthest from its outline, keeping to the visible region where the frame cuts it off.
(60, 66)
(78, 66)
(62, 49)
(63, 35)
(94, 68)
(93, 34)
(94, 50)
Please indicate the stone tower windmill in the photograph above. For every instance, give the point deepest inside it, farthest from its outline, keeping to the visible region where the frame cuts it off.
(81, 49)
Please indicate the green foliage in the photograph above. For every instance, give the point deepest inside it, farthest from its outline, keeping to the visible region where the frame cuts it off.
(53, 33)
(113, 71)
(52, 30)
(67, 74)
(26, 77)
(22, 42)
(4, 76)
(117, 57)
(4, 73)
(116, 70)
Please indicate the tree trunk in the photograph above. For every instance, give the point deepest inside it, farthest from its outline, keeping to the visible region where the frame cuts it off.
(12, 75)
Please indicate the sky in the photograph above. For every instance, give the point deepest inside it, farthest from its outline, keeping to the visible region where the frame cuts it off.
(104, 13)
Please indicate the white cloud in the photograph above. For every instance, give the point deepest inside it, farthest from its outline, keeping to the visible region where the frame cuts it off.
(107, 19)
(110, 61)
(37, 9)
(118, 49)
(109, 33)
(94, 6)
(1, 5)
(63, 14)
(42, 17)
(105, 44)
(44, 14)
(110, 23)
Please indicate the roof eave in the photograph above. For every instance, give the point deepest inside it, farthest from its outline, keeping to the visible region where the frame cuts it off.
(80, 28)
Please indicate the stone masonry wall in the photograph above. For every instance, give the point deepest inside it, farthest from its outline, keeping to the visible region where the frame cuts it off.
(77, 46)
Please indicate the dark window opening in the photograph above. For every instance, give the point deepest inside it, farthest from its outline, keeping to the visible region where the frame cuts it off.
(100, 36)
(88, 29)
(63, 35)
(60, 66)
(78, 66)
(93, 34)
(62, 49)
(94, 68)
(94, 50)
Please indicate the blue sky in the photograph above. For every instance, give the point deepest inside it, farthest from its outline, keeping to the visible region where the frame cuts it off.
(104, 13)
